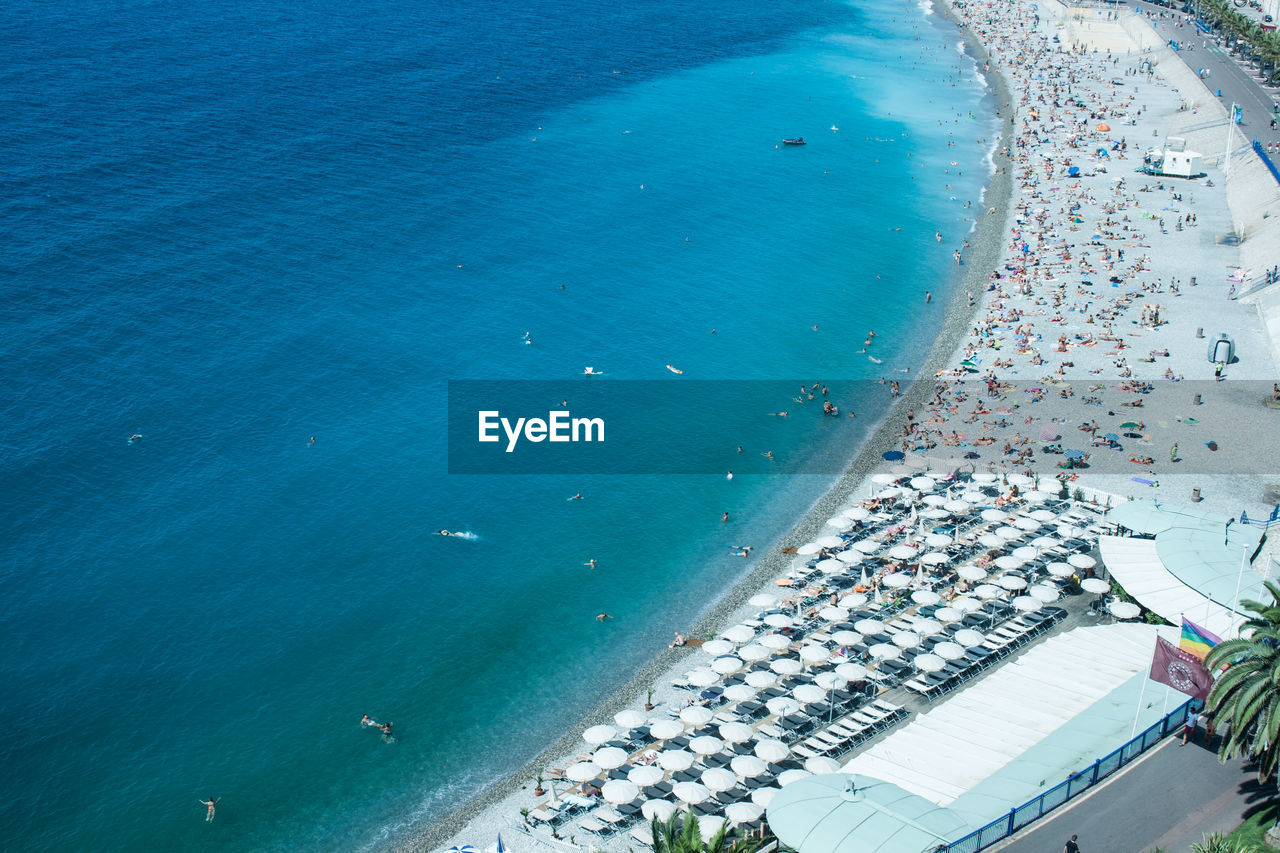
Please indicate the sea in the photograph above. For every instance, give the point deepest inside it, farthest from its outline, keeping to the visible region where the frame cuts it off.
(247, 249)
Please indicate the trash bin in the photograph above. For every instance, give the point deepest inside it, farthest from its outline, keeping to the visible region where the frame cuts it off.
(1200, 331)
(1195, 495)
(1196, 401)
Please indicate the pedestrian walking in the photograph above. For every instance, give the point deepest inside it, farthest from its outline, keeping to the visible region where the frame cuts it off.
(1173, 452)
(1071, 846)
(1189, 728)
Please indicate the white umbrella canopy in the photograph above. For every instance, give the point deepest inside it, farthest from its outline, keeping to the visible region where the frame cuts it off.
(705, 745)
(1035, 496)
(1042, 515)
(828, 680)
(761, 680)
(846, 638)
(702, 677)
(949, 650)
(814, 654)
(808, 693)
(1043, 542)
(840, 522)
(948, 614)
(869, 626)
(902, 552)
(929, 663)
(779, 620)
(973, 497)
(851, 671)
(1044, 593)
(739, 692)
(957, 506)
(1007, 562)
(773, 641)
(1062, 570)
(629, 719)
(984, 477)
(867, 546)
(739, 634)
(1019, 480)
(663, 729)
(747, 766)
(1082, 561)
(743, 812)
(696, 715)
(786, 666)
(660, 809)
(583, 771)
(885, 651)
(923, 484)
(675, 760)
(736, 732)
(786, 777)
(925, 597)
(1024, 553)
(935, 558)
(768, 749)
(610, 757)
(1027, 603)
(897, 580)
(829, 541)
(645, 775)
(726, 665)
(1124, 609)
(716, 648)
(970, 638)
(782, 705)
(763, 796)
(762, 599)
(971, 572)
(830, 566)
(821, 764)
(808, 549)
(1008, 533)
(1027, 524)
(754, 652)
(883, 479)
(990, 540)
(933, 500)
(857, 513)
(619, 791)
(936, 513)
(597, 735)
(690, 792)
(709, 826)
(926, 627)
(906, 639)
(986, 590)
(890, 492)
(994, 515)
(1012, 582)
(1070, 531)
(967, 604)
(1095, 585)
(852, 600)
(850, 557)
(834, 614)
(718, 779)
(938, 540)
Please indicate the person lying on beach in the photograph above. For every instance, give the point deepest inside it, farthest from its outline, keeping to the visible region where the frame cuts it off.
(677, 642)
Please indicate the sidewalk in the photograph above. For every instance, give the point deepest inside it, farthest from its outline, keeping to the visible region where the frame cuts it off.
(1169, 799)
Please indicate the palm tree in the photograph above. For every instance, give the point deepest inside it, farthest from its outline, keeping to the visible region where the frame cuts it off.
(680, 834)
(1246, 696)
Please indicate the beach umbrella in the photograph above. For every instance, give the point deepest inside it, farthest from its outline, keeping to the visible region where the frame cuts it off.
(1074, 454)
(1035, 496)
(743, 812)
(970, 638)
(1008, 533)
(884, 651)
(1043, 542)
(808, 549)
(1027, 603)
(906, 639)
(834, 614)
(926, 627)
(610, 757)
(739, 692)
(938, 540)
(705, 745)
(726, 665)
(994, 515)
(773, 641)
(858, 513)
(754, 652)
(968, 604)
(763, 796)
(896, 580)
(1124, 609)
(973, 497)
(658, 809)
(852, 600)
(851, 671)
(902, 552)
(971, 572)
(1044, 593)
(986, 591)
(984, 477)
(739, 634)
(850, 557)
(809, 693)
(702, 677)
(770, 750)
(465, 848)
(747, 766)
(716, 648)
(923, 484)
(1019, 480)
(936, 513)
(663, 729)
(933, 500)
(883, 479)
(583, 771)
(929, 663)
(1043, 516)
(830, 566)
(890, 492)
(1007, 562)
(949, 650)
(866, 546)
(846, 638)
(690, 792)
(736, 732)
(782, 705)
(948, 614)
(1025, 523)
(762, 599)
(829, 541)
(779, 620)
(1012, 582)
(619, 791)
(786, 666)
(717, 779)
(761, 680)
(869, 626)
(1024, 553)
(925, 597)
(597, 735)
(709, 826)
(696, 715)
(1082, 561)
(629, 719)
(990, 540)
(821, 764)
(935, 558)
(786, 777)
(840, 522)
(1095, 585)
(1069, 531)
(675, 760)
(828, 680)
(645, 775)
(1062, 570)
(892, 454)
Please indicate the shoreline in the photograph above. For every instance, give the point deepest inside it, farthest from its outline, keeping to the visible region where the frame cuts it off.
(984, 253)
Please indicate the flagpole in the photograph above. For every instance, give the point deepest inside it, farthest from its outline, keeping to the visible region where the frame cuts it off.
(1165, 709)
(1138, 711)
(1239, 580)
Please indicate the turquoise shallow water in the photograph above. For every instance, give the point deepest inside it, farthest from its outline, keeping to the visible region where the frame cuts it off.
(230, 230)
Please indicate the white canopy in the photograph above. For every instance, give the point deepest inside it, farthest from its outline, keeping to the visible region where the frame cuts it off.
(1138, 568)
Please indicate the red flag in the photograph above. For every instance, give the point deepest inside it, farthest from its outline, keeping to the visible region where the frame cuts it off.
(1180, 670)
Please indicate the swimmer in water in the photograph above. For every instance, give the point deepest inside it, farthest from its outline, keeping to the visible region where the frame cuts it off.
(312, 441)
(211, 802)
(366, 720)
(724, 517)
(729, 476)
(601, 617)
(779, 414)
(576, 497)
(446, 533)
(768, 454)
(134, 437)
(590, 563)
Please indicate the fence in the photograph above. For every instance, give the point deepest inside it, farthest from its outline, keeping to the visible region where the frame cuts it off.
(1271, 520)
(1266, 161)
(1063, 792)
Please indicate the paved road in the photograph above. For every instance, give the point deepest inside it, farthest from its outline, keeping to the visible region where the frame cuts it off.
(1170, 798)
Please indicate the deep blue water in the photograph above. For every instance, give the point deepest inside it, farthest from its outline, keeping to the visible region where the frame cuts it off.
(232, 227)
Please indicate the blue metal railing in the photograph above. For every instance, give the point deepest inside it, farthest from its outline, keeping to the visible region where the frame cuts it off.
(1266, 161)
(1073, 786)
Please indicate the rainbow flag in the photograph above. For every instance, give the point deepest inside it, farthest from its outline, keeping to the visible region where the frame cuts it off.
(1196, 640)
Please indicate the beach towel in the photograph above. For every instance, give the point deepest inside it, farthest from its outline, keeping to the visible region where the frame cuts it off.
(1142, 481)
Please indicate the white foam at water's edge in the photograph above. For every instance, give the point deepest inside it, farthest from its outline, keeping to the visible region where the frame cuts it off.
(925, 6)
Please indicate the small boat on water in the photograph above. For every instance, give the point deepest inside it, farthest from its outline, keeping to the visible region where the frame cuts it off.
(799, 140)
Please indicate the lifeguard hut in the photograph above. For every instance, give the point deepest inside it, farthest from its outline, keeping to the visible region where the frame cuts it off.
(1174, 160)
